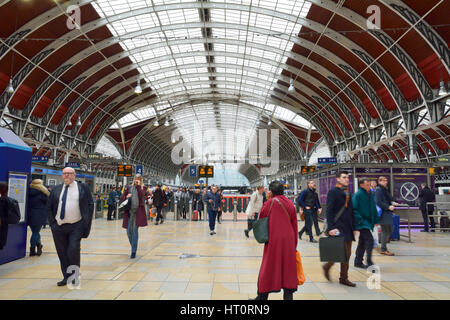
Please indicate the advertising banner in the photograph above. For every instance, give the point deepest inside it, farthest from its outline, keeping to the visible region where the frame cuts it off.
(323, 190)
(409, 170)
(407, 188)
(368, 171)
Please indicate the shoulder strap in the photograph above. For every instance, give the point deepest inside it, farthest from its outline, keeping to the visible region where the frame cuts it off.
(270, 209)
(284, 209)
(339, 214)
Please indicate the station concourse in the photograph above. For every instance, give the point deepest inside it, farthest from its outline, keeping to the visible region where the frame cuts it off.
(186, 109)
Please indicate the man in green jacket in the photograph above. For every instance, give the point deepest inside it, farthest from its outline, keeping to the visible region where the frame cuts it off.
(366, 217)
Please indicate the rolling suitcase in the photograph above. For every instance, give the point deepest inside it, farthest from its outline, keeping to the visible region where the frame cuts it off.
(396, 233)
(195, 215)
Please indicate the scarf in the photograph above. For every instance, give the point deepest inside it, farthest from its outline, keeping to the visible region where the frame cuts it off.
(347, 194)
(38, 185)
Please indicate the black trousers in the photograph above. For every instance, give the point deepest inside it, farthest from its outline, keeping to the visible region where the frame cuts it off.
(308, 223)
(159, 216)
(67, 238)
(111, 209)
(250, 222)
(365, 244)
(315, 217)
(219, 215)
(425, 214)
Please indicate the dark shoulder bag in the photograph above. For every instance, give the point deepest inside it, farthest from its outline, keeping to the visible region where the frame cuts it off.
(332, 248)
(261, 227)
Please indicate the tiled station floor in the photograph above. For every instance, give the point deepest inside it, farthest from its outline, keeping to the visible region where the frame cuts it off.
(226, 269)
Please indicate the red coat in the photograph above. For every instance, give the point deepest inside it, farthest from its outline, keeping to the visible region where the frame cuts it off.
(279, 267)
(141, 217)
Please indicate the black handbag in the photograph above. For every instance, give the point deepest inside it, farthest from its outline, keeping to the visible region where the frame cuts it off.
(332, 248)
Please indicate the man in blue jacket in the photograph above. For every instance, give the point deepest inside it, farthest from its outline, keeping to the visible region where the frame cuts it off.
(384, 200)
(308, 200)
(213, 203)
(366, 216)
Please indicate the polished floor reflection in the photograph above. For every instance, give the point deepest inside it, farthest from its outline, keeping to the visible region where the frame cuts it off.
(227, 267)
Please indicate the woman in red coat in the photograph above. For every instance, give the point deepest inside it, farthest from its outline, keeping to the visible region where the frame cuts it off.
(136, 216)
(279, 267)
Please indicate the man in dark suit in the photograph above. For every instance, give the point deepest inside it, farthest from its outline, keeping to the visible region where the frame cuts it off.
(339, 204)
(384, 200)
(427, 195)
(70, 208)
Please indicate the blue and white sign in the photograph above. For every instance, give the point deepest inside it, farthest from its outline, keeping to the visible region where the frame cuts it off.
(201, 181)
(73, 165)
(330, 160)
(39, 159)
(192, 171)
(139, 169)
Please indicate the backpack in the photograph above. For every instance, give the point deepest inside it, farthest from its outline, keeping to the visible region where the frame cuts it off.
(13, 211)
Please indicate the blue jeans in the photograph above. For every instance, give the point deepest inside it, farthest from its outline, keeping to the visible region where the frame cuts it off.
(35, 236)
(212, 219)
(133, 236)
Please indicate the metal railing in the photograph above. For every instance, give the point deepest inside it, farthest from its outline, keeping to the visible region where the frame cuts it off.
(444, 206)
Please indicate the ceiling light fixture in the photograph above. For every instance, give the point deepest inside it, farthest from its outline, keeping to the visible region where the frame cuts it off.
(361, 125)
(167, 122)
(291, 85)
(269, 123)
(70, 123)
(156, 123)
(138, 89)
(79, 122)
(10, 88)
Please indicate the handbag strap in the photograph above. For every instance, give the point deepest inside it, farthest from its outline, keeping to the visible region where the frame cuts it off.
(270, 210)
(284, 209)
(339, 214)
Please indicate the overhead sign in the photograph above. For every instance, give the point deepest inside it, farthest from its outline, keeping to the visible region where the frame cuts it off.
(443, 159)
(192, 171)
(139, 169)
(329, 160)
(94, 156)
(124, 170)
(206, 171)
(308, 169)
(73, 164)
(39, 159)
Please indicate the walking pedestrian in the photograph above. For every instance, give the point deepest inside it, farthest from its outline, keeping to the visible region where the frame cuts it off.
(366, 217)
(254, 208)
(384, 200)
(37, 214)
(339, 204)
(135, 217)
(279, 267)
(309, 202)
(427, 195)
(159, 201)
(213, 204)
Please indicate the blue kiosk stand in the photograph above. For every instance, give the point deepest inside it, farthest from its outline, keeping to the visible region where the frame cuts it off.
(15, 165)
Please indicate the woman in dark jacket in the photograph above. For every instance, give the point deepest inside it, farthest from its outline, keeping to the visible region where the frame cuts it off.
(197, 203)
(135, 217)
(37, 214)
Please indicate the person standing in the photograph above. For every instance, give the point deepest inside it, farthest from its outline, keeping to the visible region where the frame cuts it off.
(159, 201)
(339, 202)
(213, 203)
(219, 210)
(309, 202)
(111, 203)
(135, 217)
(427, 195)
(279, 267)
(37, 214)
(254, 208)
(70, 208)
(197, 203)
(366, 217)
(384, 200)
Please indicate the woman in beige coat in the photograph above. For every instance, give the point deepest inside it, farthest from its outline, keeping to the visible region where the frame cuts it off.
(253, 208)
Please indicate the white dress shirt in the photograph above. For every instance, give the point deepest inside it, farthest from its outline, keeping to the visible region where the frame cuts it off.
(72, 213)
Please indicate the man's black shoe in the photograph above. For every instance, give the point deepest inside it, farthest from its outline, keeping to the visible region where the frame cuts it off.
(313, 241)
(361, 265)
(246, 233)
(61, 283)
(300, 235)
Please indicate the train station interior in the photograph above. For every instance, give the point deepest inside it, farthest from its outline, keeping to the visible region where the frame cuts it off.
(167, 101)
